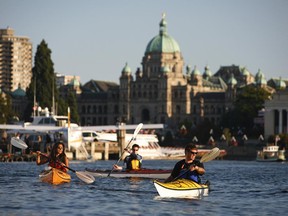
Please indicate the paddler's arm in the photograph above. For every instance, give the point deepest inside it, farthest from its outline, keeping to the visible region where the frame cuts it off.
(41, 160)
(116, 167)
(66, 164)
(198, 169)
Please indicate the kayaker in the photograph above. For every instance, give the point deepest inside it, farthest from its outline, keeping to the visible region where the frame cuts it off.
(56, 159)
(132, 161)
(188, 168)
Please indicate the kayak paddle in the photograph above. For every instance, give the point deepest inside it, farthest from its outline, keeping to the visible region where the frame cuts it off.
(18, 143)
(210, 155)
(136, 131)
(85, 177)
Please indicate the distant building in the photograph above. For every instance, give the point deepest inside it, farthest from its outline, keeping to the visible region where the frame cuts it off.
(15, 60)
(276, 114)
(160, 92)
(98, 104)
(62, 80)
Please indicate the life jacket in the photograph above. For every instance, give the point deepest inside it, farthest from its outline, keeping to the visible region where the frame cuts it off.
(57, 166)
(135, 164)
(192, 175)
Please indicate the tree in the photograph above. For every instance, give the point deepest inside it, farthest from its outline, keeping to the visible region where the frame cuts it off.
(72, 103)
(248, 102)
(6, 113)
(42, 85)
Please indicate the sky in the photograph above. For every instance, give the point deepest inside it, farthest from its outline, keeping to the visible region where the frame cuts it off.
(94, 39)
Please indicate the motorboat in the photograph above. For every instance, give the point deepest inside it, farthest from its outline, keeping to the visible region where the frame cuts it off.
(271, 153)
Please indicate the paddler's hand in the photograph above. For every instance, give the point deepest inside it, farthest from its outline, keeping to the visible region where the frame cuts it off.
(38, 157)
(116, 167)
(127, 150)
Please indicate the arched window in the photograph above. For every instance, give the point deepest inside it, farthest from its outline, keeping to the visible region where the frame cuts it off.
(178, 109)
(83, 109)
(145, 115)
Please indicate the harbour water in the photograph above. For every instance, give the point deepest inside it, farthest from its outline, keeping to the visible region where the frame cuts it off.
(237, 188)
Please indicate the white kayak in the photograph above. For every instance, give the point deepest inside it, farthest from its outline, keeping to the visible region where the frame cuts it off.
(142, 173)
(182, 188)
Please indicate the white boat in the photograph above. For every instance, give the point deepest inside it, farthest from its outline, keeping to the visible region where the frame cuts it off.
(271, 153)
(149, 146)
(182, 188)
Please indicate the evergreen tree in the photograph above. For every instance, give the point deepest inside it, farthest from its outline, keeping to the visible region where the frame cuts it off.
(72, 103)
(6, 113)
(43, 83)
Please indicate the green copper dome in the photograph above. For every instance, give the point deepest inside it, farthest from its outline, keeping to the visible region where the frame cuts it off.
(162, 42)
(281, 84)
(74, 82)
(259, 75)
(126, 69)
(195, 71)
(165, 69)
(19, 92)
(207, 72)
(232, 80)
(245, 72)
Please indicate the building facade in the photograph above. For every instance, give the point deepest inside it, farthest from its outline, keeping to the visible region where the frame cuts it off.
(164, 90)
(276, 114)
(160, 92)
(15, 60)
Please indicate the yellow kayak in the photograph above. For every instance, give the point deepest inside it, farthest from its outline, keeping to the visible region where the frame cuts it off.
(54, 176)
(183, 188)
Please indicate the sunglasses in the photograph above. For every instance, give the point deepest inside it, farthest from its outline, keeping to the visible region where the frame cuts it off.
(193, 153)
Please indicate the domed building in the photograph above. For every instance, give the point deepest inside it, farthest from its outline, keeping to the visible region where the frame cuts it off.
(160, 92)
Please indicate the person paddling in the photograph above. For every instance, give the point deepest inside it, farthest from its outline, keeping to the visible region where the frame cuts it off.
(56, 159)
(132, 161)
(188, 168)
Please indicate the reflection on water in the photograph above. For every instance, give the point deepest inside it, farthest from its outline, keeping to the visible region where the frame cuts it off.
(237, 188)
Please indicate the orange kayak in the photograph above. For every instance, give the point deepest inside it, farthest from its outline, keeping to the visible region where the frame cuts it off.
(54, 176)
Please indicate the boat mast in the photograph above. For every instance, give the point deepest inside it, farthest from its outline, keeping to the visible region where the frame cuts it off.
(34, 100)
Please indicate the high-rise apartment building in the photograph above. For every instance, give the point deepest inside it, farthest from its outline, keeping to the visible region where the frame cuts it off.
(15, 60)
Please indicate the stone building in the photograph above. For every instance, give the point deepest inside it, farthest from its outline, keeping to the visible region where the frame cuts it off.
(164, 90)
(276, 111)
(161, 93)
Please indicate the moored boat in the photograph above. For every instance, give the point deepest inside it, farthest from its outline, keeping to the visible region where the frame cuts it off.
(142, 173)
(181, 188)
(54, 176)
(271, 153)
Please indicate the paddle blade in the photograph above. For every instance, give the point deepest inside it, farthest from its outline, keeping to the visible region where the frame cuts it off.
(210, 155)
(85, 177)
(18, 143)
(138, 128)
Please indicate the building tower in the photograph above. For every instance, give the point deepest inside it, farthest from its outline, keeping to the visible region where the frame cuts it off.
(152, 91)
(15, 60)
